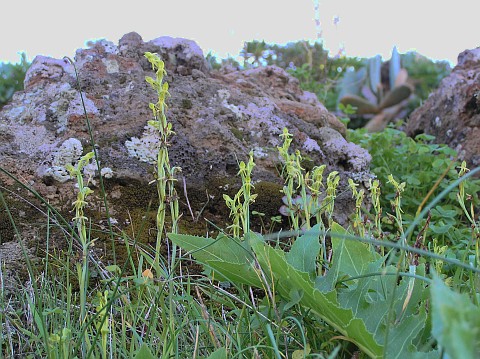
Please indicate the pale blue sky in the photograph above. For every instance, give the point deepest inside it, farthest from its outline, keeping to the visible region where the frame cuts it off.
(439, 29)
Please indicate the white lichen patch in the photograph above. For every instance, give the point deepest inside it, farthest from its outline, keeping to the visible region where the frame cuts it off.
(259, 152)
(68, 153)
(224, 95)
(257, 115)
(189, 47)
(15, 112)
(310, 98)
(109, 46)
(111, 66)
(146, 147)
(69, 103)
(106, 172)
(358, 158)
(90, 171)
(262, 116)
(76, 107)
(48, 68)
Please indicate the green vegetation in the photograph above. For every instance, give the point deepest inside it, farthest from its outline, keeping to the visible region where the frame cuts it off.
(430, 169)
(11, 78)
(374, 293)
(424, 74)
(400, 282)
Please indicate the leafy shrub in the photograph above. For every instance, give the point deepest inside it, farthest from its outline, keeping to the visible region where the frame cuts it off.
(425, 74)
(11, 78)
(323, 81)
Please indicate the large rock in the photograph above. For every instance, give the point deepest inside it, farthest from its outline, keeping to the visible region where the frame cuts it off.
(218, 118)
(452, 112)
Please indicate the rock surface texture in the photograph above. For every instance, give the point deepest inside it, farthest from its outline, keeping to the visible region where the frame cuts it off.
(218, 118)
(452, 112)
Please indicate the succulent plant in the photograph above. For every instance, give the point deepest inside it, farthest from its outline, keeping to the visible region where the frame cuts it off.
(374, 92)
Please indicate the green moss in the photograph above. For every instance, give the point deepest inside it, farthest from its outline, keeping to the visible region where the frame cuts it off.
(6, 229)
(237, 133)
(186, 104)
(268, 202)
(135, 194)
(22, 212)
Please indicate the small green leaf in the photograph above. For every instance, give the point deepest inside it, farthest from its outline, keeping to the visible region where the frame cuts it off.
(301, 353)
(113, 268)
(451, 213)
(144, 353)
(295, 297)
(440, 228)
(412, 180)
(220, 353)
(439, 162)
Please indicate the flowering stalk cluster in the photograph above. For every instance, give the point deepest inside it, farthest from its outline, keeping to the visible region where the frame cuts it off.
(240, 210)
(164, 174)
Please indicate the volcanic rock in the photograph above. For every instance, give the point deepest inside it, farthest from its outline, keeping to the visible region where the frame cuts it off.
(452, 112)
(218, 118)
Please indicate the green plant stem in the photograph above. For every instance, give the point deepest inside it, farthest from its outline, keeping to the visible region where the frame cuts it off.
(97, 161)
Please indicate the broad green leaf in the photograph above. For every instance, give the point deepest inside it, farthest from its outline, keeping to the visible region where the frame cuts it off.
(235, 272)
(295, 297)
(350, 257)
(222, 249)
(304, 251)
(358, 308)
(455, 321)
(369, 297)
(229, 258)
(325, 305)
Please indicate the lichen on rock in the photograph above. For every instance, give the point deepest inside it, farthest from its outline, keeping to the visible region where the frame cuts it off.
(69, 152)
(144, 148)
